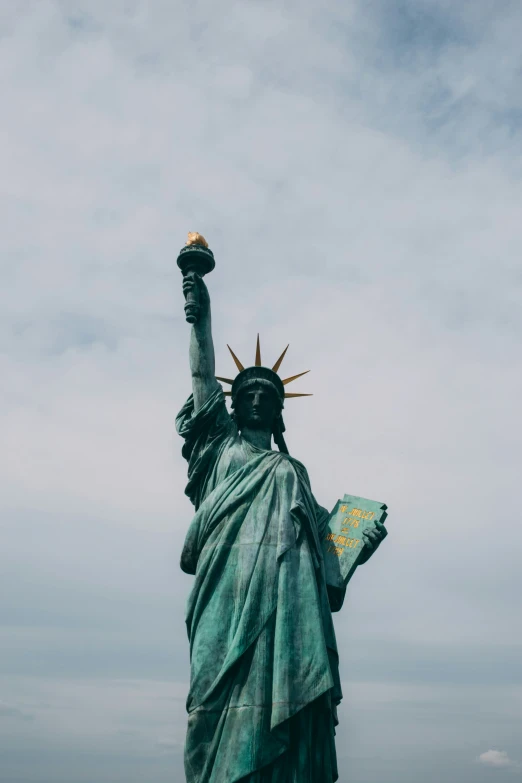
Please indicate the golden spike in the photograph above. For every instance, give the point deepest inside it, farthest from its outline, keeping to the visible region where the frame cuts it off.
(277, 365)
(238, 363)
(289, 394)
(225, 380)
(293, 377)
(258, 353)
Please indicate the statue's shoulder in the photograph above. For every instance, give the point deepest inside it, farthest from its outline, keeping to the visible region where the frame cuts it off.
(293, 464)
(205, 430)
(212, 413)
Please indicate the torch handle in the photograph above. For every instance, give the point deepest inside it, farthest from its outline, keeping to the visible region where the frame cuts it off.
(194, 261)
(192, 300)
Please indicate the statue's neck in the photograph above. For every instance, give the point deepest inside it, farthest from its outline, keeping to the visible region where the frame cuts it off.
(262, 439)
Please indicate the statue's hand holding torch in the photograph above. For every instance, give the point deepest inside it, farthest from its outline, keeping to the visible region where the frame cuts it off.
(195, 260)
(197, 299)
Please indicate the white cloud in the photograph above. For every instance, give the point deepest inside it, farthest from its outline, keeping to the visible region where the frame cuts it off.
(496, 758)
(356, 168)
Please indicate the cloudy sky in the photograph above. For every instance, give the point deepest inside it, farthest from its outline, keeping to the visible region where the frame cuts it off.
(356, 168)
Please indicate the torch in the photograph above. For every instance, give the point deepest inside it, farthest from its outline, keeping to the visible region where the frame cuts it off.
(196, 257)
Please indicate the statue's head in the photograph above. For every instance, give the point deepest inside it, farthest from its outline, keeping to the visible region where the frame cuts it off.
(258, 399)
(258, 396)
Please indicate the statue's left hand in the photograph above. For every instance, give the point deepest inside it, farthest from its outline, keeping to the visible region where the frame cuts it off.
(373, 537)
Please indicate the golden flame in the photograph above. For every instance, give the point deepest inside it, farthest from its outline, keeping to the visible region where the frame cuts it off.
(196, 239)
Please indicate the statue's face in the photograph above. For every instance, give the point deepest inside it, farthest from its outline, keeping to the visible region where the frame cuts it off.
(256, 407)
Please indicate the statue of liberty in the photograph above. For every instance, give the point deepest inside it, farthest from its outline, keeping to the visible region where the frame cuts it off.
(264, 688)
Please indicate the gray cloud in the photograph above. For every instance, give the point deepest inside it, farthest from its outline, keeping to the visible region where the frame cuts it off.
(10, 711)
(356, 170)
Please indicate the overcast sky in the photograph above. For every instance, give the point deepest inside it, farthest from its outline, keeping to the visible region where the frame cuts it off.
(356, 168)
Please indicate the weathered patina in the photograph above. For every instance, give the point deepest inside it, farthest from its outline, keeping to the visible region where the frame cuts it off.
(264, 662)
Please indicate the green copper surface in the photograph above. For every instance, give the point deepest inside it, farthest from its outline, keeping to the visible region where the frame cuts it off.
(264, 665)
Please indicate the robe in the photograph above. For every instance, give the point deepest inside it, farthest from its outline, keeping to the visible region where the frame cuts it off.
(264, 680)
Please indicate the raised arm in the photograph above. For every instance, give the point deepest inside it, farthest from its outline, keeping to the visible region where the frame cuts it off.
(201, 352)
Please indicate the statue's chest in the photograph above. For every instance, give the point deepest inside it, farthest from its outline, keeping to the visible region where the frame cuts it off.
(234, 457)
(239, 453)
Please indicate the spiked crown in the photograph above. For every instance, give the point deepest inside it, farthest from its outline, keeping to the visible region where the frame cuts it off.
(258, 374)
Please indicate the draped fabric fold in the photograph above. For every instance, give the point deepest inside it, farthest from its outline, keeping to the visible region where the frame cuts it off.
(264, 670)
